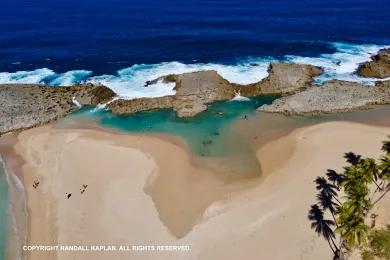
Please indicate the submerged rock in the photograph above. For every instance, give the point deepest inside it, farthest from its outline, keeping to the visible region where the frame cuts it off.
(197, 89)
(378, 67)
(27, 105)
(333, 96)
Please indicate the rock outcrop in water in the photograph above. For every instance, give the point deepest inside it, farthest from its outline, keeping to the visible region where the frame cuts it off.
(27, 105)
(333, 96)
(195, 90)
(285, 78)
(378, 67)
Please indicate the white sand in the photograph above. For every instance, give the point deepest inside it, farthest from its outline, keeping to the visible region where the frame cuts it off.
(143, 190)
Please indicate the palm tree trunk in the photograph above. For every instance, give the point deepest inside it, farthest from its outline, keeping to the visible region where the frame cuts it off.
(377, 186)
(337, 200)
(336, 248)
(330, 245)
(334, 218)
(383, 194)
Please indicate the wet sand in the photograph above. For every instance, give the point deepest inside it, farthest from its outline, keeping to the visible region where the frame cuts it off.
(117, 168)
(144, 190)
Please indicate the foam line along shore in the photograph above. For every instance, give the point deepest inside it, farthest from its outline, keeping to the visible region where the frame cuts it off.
(130, 82)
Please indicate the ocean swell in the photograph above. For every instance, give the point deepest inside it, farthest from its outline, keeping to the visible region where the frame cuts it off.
(129, 82)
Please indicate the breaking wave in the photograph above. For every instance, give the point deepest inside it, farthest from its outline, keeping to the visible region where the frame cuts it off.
(129, 82)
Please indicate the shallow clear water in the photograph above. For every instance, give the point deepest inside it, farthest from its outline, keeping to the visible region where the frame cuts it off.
(205, 133)
(208, 135)
(221, 133)
(3, 209)
(123, 43)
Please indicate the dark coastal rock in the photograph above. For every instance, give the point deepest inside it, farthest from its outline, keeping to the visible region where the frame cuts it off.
(333, 96)
(89, 94)
(287, 78)
(123, 106)
(197, 89)
(378, 67)
(193, 92)
(27, 105)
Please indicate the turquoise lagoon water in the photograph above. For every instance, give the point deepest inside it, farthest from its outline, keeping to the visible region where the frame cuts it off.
(203, 133)
(207, 134)
(3, 209)
(210, 135)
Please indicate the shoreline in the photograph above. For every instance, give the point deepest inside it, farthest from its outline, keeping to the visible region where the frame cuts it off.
(292, 84)
(171, 141)
(269, 164)
(17, 215)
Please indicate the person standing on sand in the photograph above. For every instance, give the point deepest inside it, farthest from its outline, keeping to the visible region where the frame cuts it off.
(84, 188)
(35, 185)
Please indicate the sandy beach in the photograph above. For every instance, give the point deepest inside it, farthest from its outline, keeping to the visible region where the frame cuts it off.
(144, 190)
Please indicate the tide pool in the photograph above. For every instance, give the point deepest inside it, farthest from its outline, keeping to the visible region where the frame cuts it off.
(203, 133)
(207, 135)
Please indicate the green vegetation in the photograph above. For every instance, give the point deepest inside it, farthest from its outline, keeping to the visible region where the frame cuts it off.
(379, 246)
(364, 182)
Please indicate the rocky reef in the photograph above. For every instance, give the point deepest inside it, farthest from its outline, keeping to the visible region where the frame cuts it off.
(197, 89)
(27, 105)
(284, 78)
(332, 96)
(378, 67)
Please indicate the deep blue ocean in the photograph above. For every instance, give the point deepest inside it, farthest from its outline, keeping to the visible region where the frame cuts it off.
(122, 43)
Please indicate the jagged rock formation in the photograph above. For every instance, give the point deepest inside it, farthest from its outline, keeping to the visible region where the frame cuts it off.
(195, 90)
(124, 106)
(333, 96)
(285, 78)
(378, 67)
(27, 105)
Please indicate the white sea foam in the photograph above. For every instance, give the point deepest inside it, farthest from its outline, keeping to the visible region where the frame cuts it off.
(130, 82)
(69, 78)
(238, 97)
(343, 63)
(35, 76)
(75, 102)
(45, 76)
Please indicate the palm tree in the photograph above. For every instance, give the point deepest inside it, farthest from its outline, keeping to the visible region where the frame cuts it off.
(351, 227)
(387, 189)
(370, 170)
(386, 146)
(335, 178)
(328, 188)
(355, 180)
(384, 173)
(349, 216)
(384, 166)
(323, 226)
(352, 158)
(327, 203)
(358, 203)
